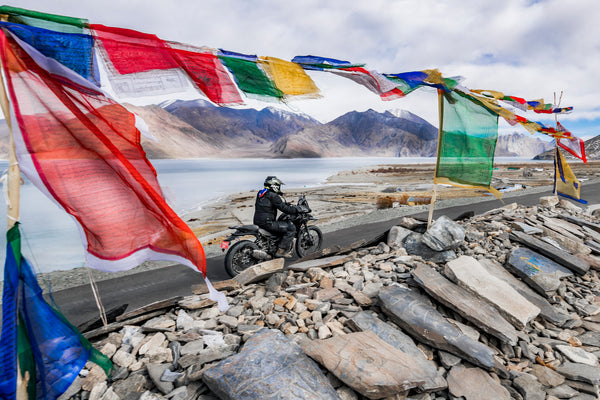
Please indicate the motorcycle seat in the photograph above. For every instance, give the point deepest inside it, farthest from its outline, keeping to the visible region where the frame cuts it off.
(252, 230)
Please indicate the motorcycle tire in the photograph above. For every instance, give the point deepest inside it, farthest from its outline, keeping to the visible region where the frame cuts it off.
(239, 257)
(309, 240)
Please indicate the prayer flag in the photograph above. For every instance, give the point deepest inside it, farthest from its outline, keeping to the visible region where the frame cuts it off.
(570, 143)
(289, 77)
(73, 50)
(82, 149)
(45, 344)
(466, 143)
(207, 72)
(58, 23)
(565, 182)
(248, 76)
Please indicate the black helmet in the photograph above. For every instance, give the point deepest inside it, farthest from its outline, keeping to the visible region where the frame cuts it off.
(274, 183)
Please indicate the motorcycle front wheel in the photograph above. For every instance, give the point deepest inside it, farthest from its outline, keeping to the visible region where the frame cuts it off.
(308, 241)
(239, 257)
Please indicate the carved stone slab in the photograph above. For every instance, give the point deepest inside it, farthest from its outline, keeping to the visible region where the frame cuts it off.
(468, 273)
(326, 262)
(366, 363)
(548, 311)
(573, 263)
(417, 316)
(580, 222)
(472, 308)
(365, 321)
(539, 272)
(260, 271)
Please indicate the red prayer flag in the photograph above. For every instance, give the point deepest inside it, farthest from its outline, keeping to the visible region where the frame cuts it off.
(208, 73)
(82, 149)
(131, 51)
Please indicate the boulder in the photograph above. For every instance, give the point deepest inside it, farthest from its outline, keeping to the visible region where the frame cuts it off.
(444, 234)
(269, 366)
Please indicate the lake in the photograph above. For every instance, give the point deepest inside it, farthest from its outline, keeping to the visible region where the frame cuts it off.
(50, 239)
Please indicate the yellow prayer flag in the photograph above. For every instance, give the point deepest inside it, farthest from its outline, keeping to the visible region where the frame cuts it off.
(289, 77)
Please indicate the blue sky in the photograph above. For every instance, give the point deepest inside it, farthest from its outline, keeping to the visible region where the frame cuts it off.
(525, 48)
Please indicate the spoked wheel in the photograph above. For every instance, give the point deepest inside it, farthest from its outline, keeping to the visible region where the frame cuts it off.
(309, 240)
(239, 257)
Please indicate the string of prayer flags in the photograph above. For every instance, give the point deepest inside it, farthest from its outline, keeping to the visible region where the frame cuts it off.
(372, 80)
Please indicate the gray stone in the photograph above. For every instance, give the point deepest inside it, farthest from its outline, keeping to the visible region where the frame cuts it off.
(580, 372)
(474, 384)
(192, 347)
(156, 371)
(366, 363)
(578, 355)
(590, 339)
(269, 366)
(444, 234)
(414, 245)
(528, 229)
(480, 313)
(73, 389)
(397, 235)
(260, 271)
(469, 274)
(448, 360)
(134, 385)
(529, 387)
(541, 273)
(547, 376)
(562, 392)
(364, 321)
(414, 314)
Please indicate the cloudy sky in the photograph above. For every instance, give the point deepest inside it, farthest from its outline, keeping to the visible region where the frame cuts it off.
(525, 48)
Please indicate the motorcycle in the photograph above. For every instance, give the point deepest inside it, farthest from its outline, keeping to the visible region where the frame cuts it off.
(244, 253)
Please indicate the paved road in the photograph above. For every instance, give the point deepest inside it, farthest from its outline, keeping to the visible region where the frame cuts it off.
(137, 290)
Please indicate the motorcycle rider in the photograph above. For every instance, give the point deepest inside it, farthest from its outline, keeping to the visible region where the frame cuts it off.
(268, 201)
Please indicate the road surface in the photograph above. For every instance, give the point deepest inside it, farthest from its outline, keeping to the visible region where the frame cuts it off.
(137, 290)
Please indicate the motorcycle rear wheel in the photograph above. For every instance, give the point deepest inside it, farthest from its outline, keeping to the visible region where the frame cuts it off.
(239, 257)
(308, 241)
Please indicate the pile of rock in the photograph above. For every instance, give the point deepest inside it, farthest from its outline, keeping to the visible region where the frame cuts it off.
(497, 306)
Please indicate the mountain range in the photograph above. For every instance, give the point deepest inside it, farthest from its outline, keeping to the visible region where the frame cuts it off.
(180, 126)
(199, 129)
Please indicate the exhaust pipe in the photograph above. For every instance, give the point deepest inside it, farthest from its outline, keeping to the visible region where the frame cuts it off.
(260, 255)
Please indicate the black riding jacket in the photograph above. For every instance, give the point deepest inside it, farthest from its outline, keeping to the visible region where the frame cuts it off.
(266, 206)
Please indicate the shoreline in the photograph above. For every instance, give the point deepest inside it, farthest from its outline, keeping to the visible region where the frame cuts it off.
(346, 199)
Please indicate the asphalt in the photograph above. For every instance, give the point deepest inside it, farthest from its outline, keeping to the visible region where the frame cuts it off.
(137, 290)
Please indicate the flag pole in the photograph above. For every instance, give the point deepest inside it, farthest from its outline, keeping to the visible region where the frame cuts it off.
(434, 194)
(12, 207)
(556, 140)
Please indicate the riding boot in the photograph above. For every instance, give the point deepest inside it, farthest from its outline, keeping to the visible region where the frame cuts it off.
(283, 253)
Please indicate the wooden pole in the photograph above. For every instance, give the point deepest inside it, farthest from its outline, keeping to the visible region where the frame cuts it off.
(435, 186)
(12, 206)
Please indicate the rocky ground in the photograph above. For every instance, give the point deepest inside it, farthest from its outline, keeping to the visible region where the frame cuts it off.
(498, 306)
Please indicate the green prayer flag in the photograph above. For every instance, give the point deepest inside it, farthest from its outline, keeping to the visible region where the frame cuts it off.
(467, 142)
